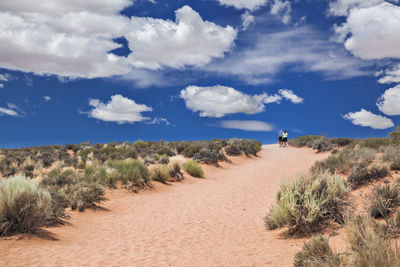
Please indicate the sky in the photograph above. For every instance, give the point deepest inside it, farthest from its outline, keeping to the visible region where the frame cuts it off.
(73, 71)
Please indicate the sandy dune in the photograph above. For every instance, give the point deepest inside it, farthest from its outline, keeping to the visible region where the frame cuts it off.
(216, 221)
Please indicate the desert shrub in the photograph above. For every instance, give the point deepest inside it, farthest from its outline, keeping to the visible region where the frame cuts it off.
(95, 174)
(233, 150)
(361, 175)
(209, 156)
(375, 143)
(83, 195)
(347, 158)
(314, 253)
(59, 202)
(131, 172)
(175, 172)
(192, 149)
(194, 169)
(59, 178)
(342, 141)
(160, 173)
(310, 200)
(322, 144)
(250, 147)
(391, 154)
(301, 141)
(383, 199)
(23, 206)
(368, 244)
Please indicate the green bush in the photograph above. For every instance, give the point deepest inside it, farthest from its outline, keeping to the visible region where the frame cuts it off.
(24, 206)
(160, 173)
(322, 144)
(194, 169)
(175, 172)
(83, 195)
(96, 174)
(314, 253)
(131, 172)
(192, 149)
(233, 150)
(305, 204)
(209, 156)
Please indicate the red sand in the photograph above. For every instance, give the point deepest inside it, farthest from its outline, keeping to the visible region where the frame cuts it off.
(217, 221)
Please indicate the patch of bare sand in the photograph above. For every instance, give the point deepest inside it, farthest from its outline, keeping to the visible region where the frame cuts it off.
(217, 221)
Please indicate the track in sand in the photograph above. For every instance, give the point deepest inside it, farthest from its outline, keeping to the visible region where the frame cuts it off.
(217, 221)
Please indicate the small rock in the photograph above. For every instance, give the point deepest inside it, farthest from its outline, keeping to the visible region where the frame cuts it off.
(386, 181)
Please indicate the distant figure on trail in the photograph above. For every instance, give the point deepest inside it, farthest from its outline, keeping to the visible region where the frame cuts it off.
(280, 138)
(284, 138)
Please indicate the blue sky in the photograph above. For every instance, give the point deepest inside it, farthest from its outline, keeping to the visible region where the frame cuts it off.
(121, 70)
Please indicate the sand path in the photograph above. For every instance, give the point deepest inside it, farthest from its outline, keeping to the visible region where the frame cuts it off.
(216, 221)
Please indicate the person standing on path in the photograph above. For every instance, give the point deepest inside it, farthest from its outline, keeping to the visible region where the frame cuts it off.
(284, 138)
(280, 137)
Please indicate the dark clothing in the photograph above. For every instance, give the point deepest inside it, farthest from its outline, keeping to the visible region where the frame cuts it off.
(284, 139)
(280, 138)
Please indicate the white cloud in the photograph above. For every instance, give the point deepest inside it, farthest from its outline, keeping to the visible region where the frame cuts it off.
(158, 120)
(4, 77)
(391, 75)
(368, 119)
(11, 110)
(188, 41)
(389, 102)
(247, 20)
(247, 125)
(1, 85)
(119, 109)
(283, 9)
(47, 98)
(289, 95)
(73, 39)
(372, 32)
(343, 7)
(304, 48)
(244, 4)
(218, 101)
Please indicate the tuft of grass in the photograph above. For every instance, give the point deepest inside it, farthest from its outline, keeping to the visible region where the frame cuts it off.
(314, 253)
(368, 244)
(160, 173)
(194, 169)
(383, 199)
(24, 206)
(305, 204)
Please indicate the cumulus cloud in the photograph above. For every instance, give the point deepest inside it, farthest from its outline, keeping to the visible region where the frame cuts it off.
(343, 7)
(372, 32)
(74, 38)
(218, 101)
(47, 98)
(244, 4)
(247, 20)
(270, 53)
(367, 119)
(188, 41)
(259, 126)
(283, 9)
(289, 95)
(389, 102)
(119, 109)
(391, 75)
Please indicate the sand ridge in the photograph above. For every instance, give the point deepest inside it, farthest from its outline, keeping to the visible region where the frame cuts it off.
(217, 221)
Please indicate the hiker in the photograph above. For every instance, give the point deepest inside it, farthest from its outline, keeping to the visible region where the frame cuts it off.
(280, 137)
(284, 138)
